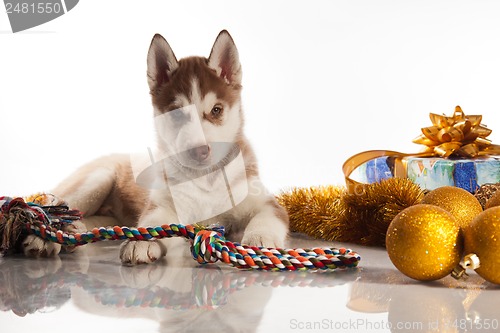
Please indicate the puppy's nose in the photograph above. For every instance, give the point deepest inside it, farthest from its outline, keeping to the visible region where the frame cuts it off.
(200, 154)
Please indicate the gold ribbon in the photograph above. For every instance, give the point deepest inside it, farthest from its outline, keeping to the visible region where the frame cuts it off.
(457, 136)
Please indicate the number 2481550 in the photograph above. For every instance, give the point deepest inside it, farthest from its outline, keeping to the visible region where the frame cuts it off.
(32, 8)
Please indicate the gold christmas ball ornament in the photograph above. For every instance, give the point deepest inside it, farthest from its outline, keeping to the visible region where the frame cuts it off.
(424, 242)
(493, 201)
(482, 238)
(463, 205)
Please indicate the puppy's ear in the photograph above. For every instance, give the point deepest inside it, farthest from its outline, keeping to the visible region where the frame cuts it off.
(161, 62)
(225, 60)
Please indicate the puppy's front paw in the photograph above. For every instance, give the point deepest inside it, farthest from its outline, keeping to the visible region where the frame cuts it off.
(34, 246)
(141, 252)
(141, 276)
(265, 239)
(73, 228)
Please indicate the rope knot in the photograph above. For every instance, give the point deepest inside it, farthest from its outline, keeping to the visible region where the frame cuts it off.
(206, 244)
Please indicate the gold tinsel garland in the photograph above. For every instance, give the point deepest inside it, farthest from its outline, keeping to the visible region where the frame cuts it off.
(331, 213)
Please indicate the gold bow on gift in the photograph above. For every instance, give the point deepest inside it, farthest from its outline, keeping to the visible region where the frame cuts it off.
(458, 135)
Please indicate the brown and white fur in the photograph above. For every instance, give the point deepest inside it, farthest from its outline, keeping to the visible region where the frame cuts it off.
(106, 189)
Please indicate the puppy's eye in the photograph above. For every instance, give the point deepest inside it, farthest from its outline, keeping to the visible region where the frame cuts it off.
(216, 110)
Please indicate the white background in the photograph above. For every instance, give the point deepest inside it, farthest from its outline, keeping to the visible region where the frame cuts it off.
(322, 80)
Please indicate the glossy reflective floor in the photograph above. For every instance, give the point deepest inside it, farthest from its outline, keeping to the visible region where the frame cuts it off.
(90, 291)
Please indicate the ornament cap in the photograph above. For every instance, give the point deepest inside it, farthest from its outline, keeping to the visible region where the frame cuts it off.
(469, 261)
(459, 273)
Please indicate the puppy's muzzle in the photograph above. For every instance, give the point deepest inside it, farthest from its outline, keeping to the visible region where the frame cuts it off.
(200, 154)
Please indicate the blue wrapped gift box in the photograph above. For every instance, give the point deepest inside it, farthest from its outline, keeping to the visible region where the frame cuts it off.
(433, 172)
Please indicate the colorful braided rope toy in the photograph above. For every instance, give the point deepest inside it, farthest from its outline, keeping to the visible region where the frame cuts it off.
(33, 215)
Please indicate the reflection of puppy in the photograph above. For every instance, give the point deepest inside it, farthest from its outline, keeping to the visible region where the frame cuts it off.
(207, 167)
(178, 299)
(27, 287)
(185, 297)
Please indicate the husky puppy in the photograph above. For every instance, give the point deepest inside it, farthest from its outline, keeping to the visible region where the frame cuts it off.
(203, 169)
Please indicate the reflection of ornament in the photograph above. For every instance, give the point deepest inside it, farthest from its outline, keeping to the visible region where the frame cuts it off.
(428, 311)
(458, 202)
(493, 201)
(484, 306)
(424, 242)
(482, 239)
(372, 291)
